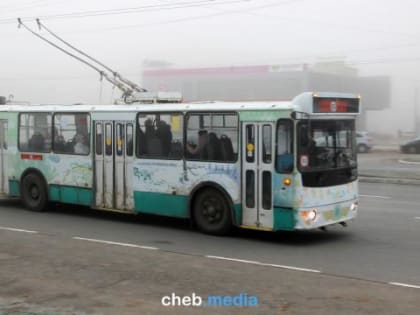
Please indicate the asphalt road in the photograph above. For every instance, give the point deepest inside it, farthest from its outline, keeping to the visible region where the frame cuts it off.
(381, 247)
(390, 164)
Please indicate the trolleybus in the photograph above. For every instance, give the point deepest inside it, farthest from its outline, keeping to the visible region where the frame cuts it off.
(261, 165)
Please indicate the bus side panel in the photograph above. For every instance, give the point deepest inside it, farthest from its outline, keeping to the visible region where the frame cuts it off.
(159, 187)
(71, 195)
(284, 219)
(69, 177)
(161, 204)
(225, 175)
(163, 188)
(284, 201)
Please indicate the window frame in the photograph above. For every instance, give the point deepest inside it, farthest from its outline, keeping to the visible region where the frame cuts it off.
(137, 126)
(51, 131)
(186, 118)
(292, 146)
(89, 132)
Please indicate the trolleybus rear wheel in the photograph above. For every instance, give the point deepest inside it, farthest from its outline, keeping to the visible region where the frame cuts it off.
(212, 212)
(34, 193)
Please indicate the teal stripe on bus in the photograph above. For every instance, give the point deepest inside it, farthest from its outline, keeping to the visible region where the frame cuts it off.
(237, 214)
(284, 219)
(14, 189)
(161, 204)
(72, 195)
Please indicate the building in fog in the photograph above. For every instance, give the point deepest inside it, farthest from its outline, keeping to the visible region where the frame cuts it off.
(271, 82)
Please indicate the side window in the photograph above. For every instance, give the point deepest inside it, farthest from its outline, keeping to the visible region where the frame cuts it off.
(119, 139)
(160, 136)
(284, 144)
(129, 140)
(99, 139)
(267, 143)
(108, 139)
(71, 133)
(35, 132)
(212, 137)
(250, 143)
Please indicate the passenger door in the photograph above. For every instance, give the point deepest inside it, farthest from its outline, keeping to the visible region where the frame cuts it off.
(4, 183)
(113, 164)
(257, 172)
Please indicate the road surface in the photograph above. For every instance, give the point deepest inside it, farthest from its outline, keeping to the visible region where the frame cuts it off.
(80, 261)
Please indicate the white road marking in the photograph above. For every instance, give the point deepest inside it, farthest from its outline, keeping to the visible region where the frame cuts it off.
(375, 196)
(114, 243)
(292, 268)
(234, 259)
(405, 285)
(17, 230)
(262, 264)
(418, 218)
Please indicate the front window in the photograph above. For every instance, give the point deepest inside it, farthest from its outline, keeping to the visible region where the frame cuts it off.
(326, 144)
(326, 150)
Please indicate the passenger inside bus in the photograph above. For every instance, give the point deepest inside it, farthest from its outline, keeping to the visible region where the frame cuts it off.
(36, 143)
(164, 134)
(80, 146)
(59, 142)
(200, 150)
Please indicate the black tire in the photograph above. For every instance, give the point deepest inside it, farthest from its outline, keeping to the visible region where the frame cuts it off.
(34, 193)
(362, 148)
(212, 213)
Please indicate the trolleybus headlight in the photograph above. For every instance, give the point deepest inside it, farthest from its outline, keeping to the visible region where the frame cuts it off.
(309, 214)
(312, 215)
(287, 181)
(354, 206)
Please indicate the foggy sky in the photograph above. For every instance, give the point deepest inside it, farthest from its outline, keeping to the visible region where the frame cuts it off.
(378, 37)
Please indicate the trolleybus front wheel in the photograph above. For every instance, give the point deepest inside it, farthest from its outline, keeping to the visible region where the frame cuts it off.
(212, 212)
(34, 193)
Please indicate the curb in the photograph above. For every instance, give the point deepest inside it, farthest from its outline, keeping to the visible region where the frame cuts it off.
(389, 180)
(408, 162)
(384, 150)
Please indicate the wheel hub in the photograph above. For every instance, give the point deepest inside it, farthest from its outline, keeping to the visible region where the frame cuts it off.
(34, 192)
(211, 210)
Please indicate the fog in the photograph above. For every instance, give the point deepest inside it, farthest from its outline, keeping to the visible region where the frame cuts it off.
(376, 37)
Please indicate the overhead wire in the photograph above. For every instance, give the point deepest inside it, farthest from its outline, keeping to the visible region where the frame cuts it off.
(116, 75)
(144, 8)
(125, 90)
(196, 17)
